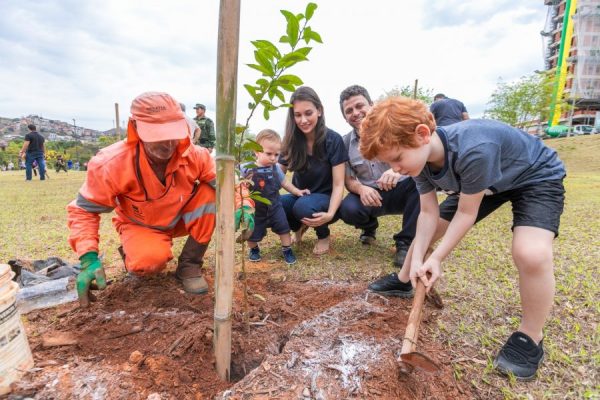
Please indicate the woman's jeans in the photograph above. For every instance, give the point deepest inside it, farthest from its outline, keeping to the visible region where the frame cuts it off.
(297, 208)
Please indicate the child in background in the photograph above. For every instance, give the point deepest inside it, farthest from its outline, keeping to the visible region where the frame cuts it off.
(482, 164)
(268, 178)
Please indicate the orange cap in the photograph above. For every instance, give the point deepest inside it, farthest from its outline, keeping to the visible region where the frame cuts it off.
(158, 117)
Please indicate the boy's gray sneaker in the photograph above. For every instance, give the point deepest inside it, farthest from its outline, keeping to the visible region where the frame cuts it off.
(520, 356)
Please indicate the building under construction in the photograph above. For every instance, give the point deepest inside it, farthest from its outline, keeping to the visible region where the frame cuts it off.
(580, 83)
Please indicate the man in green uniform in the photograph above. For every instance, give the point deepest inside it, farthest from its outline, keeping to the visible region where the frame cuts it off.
(207, 136)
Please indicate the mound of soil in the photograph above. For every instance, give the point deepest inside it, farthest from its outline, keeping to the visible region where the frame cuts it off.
(146, 338)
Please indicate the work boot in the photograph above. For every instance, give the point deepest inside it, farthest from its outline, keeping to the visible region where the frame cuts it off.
(367, 237)
(189, 267)
(401, 252)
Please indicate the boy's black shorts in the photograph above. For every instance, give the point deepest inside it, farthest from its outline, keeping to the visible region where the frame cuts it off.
(539, 205)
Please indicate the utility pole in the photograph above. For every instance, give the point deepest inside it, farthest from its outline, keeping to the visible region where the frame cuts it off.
(118, 130)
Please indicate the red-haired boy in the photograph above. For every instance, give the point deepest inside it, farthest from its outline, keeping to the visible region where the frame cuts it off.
(482, 164)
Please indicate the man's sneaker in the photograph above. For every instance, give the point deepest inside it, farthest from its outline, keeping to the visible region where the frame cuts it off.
(288, 255)
(254, 254)
(401, 252)
(520, 356)
(367, 237)
(390, 285)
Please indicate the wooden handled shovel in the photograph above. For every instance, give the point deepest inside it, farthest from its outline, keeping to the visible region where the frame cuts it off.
(408, 356)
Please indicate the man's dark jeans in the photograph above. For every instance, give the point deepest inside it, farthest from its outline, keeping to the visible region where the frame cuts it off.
(403, 199)
(30, 157)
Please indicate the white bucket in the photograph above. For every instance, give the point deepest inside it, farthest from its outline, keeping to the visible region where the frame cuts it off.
(15, 354)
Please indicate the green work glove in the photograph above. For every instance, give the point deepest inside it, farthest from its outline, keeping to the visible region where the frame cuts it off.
(91, 270)
(248, 213)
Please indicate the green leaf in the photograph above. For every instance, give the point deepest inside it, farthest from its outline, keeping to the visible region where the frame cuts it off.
(303, 50)
(286, 105)
(290, 59)
(310, 10)
(306, 34)
(251, 145)
(259, 198)
(293, 27)
(289, 79)
(288, 87)
(315, 36)
(279, 95)
(263, 83)
(268, 46)
(264, 60)
(249, 158)
(240, 129)
(284, 39)
(266, 114)
(260, 68)
(252, 91)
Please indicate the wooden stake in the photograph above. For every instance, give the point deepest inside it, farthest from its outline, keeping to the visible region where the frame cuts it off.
(227, 65)
(411, 334)
(118, 130)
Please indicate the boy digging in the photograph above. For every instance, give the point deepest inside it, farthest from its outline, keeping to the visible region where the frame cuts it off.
(267, 179)
(482, 164)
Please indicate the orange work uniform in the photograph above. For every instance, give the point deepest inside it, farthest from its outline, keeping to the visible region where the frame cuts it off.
(148, 213)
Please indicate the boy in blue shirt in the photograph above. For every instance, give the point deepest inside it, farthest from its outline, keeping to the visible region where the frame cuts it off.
(482, 164)
(268, 178)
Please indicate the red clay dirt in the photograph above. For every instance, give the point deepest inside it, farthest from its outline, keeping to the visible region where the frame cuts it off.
(146, 338)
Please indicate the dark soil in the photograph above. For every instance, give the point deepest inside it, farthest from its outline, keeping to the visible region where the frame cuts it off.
(146, 337)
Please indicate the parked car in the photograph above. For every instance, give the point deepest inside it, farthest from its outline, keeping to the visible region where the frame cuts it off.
(584, 130)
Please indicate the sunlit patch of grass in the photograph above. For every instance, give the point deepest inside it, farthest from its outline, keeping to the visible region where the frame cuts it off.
(479, 287)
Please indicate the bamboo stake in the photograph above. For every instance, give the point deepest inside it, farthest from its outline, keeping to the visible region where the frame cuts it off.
(118, 130)
(227, 65)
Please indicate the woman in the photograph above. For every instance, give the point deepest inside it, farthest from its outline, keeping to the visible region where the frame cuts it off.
(317, 157)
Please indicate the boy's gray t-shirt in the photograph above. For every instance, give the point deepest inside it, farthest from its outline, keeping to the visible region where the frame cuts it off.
(492, 156)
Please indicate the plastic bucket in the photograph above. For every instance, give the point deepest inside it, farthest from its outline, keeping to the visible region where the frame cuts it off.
(15, 354)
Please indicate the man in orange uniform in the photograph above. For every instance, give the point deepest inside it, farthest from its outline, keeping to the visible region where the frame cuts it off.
(161, 186)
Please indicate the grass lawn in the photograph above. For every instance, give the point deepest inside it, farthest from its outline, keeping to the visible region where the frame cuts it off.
(479, 286)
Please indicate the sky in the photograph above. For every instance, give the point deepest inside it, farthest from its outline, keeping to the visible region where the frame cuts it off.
(73, 59)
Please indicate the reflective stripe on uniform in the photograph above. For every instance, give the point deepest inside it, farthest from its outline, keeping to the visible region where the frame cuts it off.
(208, 208)
(90, 206)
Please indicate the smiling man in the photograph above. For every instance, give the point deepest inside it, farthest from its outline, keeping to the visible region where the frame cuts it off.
(160, 186)
(375, 189)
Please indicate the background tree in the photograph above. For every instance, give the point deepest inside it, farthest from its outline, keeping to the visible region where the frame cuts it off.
(423, 94)
(522, 102)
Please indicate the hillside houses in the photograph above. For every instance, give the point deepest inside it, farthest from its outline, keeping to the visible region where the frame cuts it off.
(52, 130)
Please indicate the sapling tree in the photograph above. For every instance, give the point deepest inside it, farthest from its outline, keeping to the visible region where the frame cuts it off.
(268, 94)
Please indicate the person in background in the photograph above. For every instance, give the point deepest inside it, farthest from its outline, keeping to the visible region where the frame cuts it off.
(194, 129)
(448, 111)
(34, 149)
(207, 137)
(317, 156)
(160, 187)
(60, 164)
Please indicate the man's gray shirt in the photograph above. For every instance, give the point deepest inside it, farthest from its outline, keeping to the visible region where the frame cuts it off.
(489, 155)
(367, 172)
